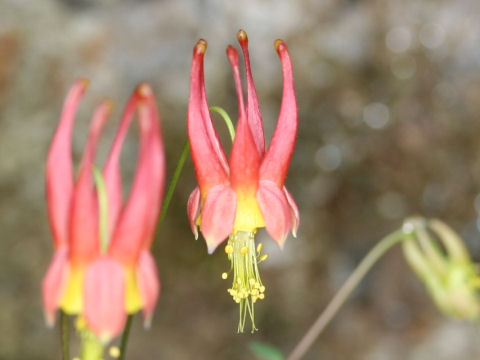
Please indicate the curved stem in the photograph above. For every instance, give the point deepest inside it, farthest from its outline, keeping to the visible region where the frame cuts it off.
(123, 342)
(172, 186)
(226, 118)
(102, 209)
(65, 332)
(341, 296)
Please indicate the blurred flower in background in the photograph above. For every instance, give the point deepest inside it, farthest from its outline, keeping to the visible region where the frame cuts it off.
(444, 265)
(102, 268)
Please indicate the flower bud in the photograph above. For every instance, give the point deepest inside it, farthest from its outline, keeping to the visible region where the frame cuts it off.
(440, 259)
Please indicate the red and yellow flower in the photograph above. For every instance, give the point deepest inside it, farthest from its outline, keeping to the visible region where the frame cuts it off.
(102, 269)
(238, 195)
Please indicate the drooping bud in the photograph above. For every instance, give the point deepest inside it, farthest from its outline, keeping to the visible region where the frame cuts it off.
(440, 259)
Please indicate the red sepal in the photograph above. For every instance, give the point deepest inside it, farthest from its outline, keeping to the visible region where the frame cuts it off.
(148, 285)
(104, 298)
(54, 283)
(218, 215)
(275, 210)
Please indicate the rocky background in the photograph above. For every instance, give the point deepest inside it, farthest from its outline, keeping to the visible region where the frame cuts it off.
(388, 95)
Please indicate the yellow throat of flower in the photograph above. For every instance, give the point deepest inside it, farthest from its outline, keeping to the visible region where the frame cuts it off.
(249, 216)
(247, 286)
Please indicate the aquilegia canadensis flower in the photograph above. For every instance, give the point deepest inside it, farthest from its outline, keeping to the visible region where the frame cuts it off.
(102, 269)
(237, 196)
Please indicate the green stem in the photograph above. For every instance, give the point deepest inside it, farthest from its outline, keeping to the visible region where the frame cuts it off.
(64, 332)
(92, 348)
(341, 296)
(173, 185)
(226, 118)
(123, 342)
(102, 209)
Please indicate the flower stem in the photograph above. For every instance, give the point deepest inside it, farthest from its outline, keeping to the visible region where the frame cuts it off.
(226, 118)
(92, 348)
(123, 342)
(341, 296)
(173, 185)
(102, 209)
(64, 332)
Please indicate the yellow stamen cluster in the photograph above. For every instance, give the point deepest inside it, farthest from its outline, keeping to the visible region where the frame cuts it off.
(247, 286)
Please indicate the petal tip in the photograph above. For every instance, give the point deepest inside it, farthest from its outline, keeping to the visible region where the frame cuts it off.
(232, 55)
(83, 82)
(144, 90)
(242, 36)
(200, 47)
(279, 45)
(212, 245)
(281, 242)
(211, 248)
(108, 105)
(49, 320)
(147, 321)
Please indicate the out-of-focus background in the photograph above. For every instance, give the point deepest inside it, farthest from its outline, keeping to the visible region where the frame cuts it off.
(389, 106)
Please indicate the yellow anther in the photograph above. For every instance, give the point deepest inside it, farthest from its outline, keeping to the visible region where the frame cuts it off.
(114, 352)
(263, 257)
(246, 288)
(261, 296)
(260, 248)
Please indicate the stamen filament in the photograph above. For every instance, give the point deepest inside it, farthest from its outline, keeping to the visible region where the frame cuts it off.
(247, 286)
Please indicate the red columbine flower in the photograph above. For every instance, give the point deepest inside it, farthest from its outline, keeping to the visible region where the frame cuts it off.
(237, 196)
(102, 268)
